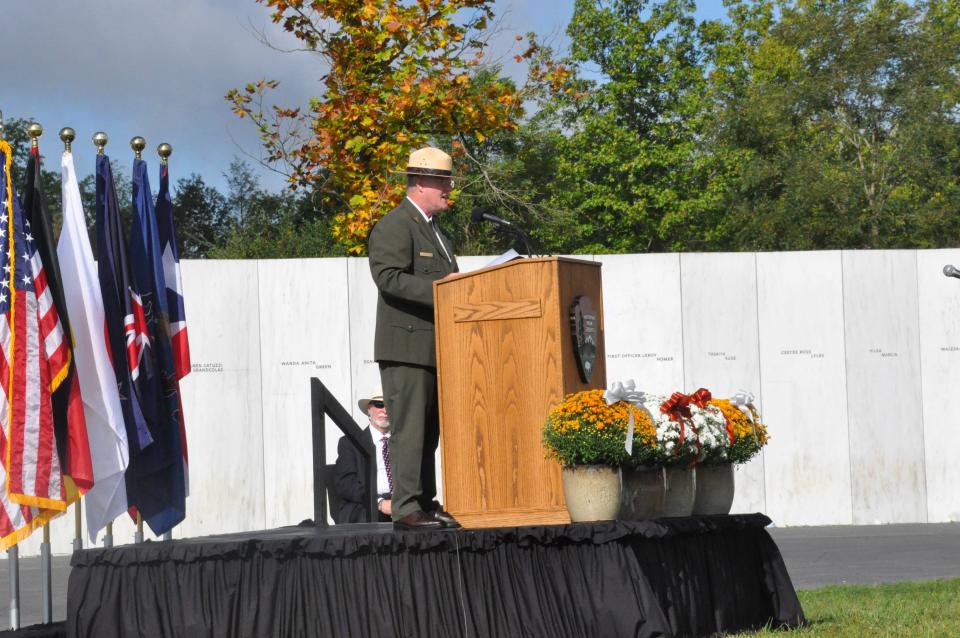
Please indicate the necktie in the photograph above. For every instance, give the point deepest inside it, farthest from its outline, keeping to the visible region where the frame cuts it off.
(385, 450)
(436, 231)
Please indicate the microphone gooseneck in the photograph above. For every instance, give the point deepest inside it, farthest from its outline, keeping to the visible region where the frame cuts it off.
(483, 214)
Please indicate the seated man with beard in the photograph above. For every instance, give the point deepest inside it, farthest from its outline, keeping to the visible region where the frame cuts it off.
(350, 480)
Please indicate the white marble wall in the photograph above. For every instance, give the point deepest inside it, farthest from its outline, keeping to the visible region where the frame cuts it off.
(720, 345)
(882, 336)
(225, 438)
(304, 332)
(365, 374)
(853, 358)
(642, 320)
(939, 303)
(802, 358)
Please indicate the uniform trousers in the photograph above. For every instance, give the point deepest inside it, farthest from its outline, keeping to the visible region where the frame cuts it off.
(410, 392)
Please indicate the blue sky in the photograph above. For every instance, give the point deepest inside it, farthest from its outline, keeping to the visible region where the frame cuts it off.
(160, 69)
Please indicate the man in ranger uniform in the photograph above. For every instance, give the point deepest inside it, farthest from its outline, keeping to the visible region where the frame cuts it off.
(407, 254)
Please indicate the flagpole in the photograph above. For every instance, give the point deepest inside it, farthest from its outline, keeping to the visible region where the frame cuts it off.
(67, 135)
(137, 143)
(100, 140)
(13, 553)
(164, 150)
(13, 565)
(46, 578)
(35, 130)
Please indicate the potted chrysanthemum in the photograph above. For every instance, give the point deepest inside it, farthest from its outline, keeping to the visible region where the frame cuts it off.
(587, 437)
(742, 437)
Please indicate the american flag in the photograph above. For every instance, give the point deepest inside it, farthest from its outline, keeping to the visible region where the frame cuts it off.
(31, 359)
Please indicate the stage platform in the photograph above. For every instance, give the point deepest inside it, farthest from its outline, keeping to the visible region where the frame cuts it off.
(677, 577)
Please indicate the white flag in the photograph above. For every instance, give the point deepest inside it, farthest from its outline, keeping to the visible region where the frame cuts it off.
(98, 385)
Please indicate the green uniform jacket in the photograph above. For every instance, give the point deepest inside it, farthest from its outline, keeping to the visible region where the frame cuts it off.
(405, 260)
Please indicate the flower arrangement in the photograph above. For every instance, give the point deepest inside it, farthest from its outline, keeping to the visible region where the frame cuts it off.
(693, 429)
(744, 430)
(583, 429)
(679, 430)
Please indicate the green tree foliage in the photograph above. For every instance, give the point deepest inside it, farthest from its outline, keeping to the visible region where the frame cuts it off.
(846, 116)
(629, 168)
(256, 224)
(201, 216)
(397, 75)
(15, 134)
(792, 124)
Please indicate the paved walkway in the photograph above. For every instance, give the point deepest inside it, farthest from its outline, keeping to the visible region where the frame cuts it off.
(815, 556)
(870, 555)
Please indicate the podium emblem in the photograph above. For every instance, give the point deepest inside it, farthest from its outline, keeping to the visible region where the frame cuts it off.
(583, 329)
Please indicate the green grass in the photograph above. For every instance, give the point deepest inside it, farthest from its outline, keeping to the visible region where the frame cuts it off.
(903, 610)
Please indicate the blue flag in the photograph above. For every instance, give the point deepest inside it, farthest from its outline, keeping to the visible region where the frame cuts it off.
(175, 306)
(171, 273)
(156, 475)
(118, 296)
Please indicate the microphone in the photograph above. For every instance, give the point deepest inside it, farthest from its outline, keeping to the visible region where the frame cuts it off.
(951, 271)
(483, 214)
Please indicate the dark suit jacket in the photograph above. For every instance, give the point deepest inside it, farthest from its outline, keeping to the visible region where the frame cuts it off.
(405, 260)
(350, 482)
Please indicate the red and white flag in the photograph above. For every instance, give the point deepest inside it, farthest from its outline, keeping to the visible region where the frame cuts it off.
(109, 449)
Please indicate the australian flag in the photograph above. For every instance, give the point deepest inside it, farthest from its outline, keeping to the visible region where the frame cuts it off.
(113, 271)
(156, 484)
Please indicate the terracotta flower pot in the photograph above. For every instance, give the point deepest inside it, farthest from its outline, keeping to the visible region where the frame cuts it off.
(592, 492)
(715, 486)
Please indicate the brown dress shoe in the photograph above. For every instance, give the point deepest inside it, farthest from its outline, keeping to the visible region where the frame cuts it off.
(417, 520)
(445, 518)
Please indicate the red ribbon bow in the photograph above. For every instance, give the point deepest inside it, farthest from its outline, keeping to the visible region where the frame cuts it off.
(677, 407)
(700, 398)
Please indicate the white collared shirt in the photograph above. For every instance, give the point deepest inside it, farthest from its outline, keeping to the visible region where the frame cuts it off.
(429, 220)
(383, 483)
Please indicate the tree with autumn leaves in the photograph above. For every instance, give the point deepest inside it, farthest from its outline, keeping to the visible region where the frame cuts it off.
(400, 75)
(788, 125)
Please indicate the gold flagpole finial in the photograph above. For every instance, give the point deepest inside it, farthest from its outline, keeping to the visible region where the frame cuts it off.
(138, 144)
(164, 151)
(100, 141)
(67, 134)
(34, 131)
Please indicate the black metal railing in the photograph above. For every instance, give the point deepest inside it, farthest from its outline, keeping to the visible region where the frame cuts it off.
(323, 404)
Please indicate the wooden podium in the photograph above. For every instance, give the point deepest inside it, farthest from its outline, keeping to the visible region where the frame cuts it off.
(505, 357)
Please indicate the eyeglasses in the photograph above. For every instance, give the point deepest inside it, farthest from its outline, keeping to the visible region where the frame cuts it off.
(376, 404)
(441, 182)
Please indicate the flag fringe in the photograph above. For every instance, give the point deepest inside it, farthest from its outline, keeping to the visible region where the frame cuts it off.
(36, 501)
(39, 520)
(61, 376)
(7, 164)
